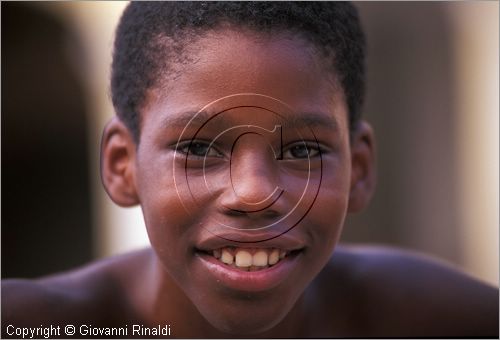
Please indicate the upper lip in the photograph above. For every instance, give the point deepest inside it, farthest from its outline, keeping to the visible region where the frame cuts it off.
(284, 241)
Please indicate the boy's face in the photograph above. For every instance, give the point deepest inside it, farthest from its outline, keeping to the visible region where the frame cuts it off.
(265, 165)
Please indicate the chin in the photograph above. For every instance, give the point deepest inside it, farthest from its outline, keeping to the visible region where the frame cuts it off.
(250, 315)
(243, 324)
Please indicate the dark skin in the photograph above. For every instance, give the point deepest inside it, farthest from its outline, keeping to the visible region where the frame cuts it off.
(355, 292)
(362, 292)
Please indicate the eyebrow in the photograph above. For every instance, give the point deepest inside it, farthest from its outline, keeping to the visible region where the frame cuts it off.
(313, 119)
(305, 119)
(184, 118)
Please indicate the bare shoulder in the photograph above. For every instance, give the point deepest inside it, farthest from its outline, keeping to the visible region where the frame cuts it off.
(402, 293)
(75, 296)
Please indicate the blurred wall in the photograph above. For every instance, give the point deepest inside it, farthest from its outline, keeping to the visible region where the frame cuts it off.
(116, 229)
(46, 196)
(432, 99)
(476, 47)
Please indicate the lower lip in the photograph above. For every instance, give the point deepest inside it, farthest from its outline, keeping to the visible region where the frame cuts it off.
(255, 281)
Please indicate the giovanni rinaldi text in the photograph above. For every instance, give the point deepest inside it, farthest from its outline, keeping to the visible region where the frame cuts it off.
(85, 330)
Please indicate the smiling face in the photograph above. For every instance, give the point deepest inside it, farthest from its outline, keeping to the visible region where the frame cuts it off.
(244, 173)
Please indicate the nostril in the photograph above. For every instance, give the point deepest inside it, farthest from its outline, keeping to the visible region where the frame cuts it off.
(270, 214)
(266, 213)
(234, 212)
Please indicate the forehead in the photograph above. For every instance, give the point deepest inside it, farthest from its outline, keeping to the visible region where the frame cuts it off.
(225, 63)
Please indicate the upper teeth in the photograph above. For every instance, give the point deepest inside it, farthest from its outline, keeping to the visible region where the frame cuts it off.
(250, 259)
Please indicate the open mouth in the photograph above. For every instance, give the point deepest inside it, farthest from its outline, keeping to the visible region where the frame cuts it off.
(242, 262)
(250, 259)
(252, 267)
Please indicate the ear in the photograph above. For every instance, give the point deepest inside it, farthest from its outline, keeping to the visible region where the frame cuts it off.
(363, 174)
(118, 163)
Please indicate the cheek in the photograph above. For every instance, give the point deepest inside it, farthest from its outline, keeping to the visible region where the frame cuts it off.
(328, 213)
(166, 216)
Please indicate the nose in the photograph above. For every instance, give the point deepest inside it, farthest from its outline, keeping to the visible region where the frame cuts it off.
(254, 189)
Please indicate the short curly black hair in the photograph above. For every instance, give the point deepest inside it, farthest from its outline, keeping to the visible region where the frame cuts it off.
(151, 32)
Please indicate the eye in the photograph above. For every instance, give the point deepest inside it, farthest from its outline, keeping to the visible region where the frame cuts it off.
(301, 150)
(198, 149)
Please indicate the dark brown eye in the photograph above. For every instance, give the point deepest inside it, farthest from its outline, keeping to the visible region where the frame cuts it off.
(198, 149)
(301, 151)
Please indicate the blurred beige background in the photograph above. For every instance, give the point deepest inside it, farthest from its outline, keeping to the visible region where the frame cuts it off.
(433, 94)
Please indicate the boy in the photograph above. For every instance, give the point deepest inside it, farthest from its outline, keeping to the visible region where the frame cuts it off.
(238, 131)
